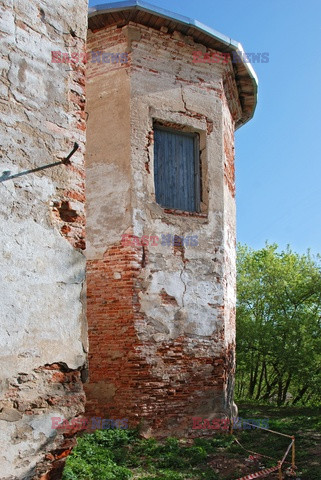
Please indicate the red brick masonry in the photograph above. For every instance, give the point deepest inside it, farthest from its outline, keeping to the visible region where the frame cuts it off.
(125, 380)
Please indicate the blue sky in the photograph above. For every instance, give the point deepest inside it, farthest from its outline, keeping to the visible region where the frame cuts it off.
(278, 153)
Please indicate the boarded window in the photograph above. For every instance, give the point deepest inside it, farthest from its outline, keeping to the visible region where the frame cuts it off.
(177, 169)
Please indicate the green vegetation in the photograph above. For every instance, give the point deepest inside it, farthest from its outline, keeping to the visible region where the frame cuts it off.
(278, 377)
(302, 422)
(122, 454)
(278, 327)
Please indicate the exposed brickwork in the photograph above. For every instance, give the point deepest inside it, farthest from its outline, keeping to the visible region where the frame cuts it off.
(184, 214)
(229, 166)
(113, 40)
(160, 317)
(44, 341)
(112, 306)
(71, 221)
(167, 299)
(157, 387)
(46, 392)
(228, 139)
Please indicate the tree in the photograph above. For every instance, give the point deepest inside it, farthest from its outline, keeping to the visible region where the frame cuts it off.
(278, 325)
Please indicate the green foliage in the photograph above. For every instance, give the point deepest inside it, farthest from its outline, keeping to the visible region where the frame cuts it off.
(114, 454)
(99, 456)
(278, 326)
(171, 455)
(302, 422)
(119, 454)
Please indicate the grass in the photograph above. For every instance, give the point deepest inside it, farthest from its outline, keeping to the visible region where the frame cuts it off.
(122, 454)
(302, 422)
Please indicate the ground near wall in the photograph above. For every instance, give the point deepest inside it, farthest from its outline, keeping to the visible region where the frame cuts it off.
(122, 454)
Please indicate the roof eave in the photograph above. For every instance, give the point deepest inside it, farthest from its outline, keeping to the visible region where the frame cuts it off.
(228, 43)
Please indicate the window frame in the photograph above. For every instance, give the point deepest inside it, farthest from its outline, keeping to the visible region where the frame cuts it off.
(179, 130)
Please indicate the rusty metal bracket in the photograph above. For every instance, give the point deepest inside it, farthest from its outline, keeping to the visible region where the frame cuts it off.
(66, 161)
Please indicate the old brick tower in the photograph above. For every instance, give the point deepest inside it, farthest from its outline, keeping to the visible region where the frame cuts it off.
(160, 163)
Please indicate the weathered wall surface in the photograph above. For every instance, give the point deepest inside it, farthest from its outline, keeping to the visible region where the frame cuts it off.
(108, 105)
(161, 318)
(43, 339)
(190, 335)
(108, 207)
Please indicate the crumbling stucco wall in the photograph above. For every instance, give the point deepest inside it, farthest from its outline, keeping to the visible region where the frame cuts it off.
(43, 340)
(161, 318)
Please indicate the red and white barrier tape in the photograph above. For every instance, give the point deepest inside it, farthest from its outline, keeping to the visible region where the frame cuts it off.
(260, 474)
